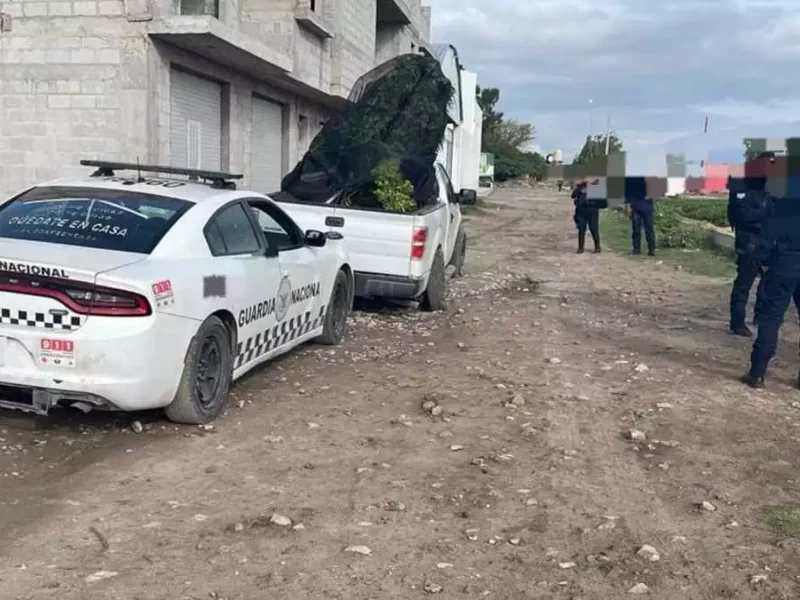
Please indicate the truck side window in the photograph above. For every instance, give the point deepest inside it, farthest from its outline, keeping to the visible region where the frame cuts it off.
(448, 185)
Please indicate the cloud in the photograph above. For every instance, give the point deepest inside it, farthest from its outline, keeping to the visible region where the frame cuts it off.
(656, 68)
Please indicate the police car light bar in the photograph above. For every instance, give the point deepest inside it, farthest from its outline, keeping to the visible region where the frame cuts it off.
(216, 178)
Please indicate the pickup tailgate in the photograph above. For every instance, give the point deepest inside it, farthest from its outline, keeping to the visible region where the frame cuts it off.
(377, 242)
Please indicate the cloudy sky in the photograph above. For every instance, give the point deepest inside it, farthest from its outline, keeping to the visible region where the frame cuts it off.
(657, 67)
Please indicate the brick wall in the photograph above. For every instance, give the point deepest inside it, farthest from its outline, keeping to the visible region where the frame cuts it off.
(66, 96)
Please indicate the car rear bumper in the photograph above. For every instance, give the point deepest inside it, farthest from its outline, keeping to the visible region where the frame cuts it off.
(117, 363)
(389, 286)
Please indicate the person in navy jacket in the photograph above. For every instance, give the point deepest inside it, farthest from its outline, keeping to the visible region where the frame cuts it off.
(778, 253)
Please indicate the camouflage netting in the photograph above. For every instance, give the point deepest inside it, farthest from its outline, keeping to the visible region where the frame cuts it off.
(396, 111)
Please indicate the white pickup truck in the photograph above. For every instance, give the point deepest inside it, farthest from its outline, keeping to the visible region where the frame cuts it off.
(396, 255)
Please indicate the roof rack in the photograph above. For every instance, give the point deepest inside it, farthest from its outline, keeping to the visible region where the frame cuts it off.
(215, 178)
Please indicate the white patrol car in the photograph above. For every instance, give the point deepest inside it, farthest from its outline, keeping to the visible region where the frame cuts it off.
(131, 293)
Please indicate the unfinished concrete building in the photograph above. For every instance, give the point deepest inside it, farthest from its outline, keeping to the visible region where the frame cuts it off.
(233, 85)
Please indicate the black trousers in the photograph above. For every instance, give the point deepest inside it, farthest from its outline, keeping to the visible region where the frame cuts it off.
(643, 219)
(776, 292)
(588, 216)
(747, 270)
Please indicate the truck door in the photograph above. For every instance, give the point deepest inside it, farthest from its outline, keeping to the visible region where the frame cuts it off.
(451, 223)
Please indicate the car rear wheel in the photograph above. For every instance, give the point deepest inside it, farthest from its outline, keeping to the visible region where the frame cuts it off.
(207, 372)
(336, 317)
(434, 295)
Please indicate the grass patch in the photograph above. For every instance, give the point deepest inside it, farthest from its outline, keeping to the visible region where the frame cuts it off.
(784, 519)
(676, 243)
(711, 210)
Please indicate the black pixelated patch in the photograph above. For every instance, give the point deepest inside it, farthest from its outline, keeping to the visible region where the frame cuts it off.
(214, 286)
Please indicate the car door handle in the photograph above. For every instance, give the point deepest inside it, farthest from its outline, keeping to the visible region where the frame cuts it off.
(334, 221)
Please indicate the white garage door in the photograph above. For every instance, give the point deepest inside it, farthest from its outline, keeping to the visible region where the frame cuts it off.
(195, 122)
(266, 146)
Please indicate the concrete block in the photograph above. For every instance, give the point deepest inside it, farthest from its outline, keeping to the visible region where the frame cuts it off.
(59, 9)
(68, 86)
(110, 7)
(83, 101)
(57, 56)
(58, 101)
(14, 9)
(107, 56)
(33, 57)
(34, 9)
(108, 102)
(92, 87)
(84, 8)
(82, 56)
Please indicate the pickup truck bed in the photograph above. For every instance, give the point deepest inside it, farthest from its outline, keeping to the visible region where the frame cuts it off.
(392, 254)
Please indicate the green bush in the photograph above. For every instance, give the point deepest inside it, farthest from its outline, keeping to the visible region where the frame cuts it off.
(510, 162)
(673, 232)
(710, 210)
(393, 192)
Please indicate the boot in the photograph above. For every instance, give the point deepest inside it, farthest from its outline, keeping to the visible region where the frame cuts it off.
(756, 383)
(581, 241)
(596, 239)
(740, 330)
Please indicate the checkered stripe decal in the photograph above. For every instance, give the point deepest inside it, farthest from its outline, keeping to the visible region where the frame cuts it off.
(37, 319)
(274, 337)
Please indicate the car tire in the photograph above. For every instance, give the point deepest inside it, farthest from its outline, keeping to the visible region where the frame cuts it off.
(337, 315)
(207, 373)
(433, 297)
(460, 252)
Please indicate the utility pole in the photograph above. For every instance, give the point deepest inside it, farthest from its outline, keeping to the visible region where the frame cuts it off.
(608, 134)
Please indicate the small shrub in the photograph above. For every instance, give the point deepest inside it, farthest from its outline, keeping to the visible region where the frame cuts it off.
(710, 210)
(673, 232)
(393, 192)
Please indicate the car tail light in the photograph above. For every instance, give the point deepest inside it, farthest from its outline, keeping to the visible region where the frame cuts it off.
(109, 302)
(418, 239)
(84, 299)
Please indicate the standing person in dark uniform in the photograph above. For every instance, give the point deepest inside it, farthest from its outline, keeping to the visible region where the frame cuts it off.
(779, 255)
(641, 209)
(748, 206)
(587, 213)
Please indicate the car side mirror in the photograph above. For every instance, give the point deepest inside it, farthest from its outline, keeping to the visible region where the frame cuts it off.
(315, 238)
(468, 197)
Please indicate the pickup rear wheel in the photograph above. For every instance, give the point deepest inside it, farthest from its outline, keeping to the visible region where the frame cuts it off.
(207, 372)
(434, 295)
(335, 325)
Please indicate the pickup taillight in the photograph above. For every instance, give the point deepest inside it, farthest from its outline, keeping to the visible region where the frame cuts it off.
(418, 239)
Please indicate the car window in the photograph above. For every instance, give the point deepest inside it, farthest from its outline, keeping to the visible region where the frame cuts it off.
(277, 227)
(232, 227)
(91, 217)
(448, 185)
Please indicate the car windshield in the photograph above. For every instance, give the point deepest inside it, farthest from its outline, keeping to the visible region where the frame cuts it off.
(91, 217)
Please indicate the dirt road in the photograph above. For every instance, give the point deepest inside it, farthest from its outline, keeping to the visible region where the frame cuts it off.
(515, 481)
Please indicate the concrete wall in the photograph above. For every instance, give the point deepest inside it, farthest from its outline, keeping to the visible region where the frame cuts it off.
(79, 81)
(392, 40)
(72, 86)
(353, 48)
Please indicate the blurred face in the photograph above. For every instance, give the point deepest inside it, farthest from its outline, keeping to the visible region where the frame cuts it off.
(758, 167)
